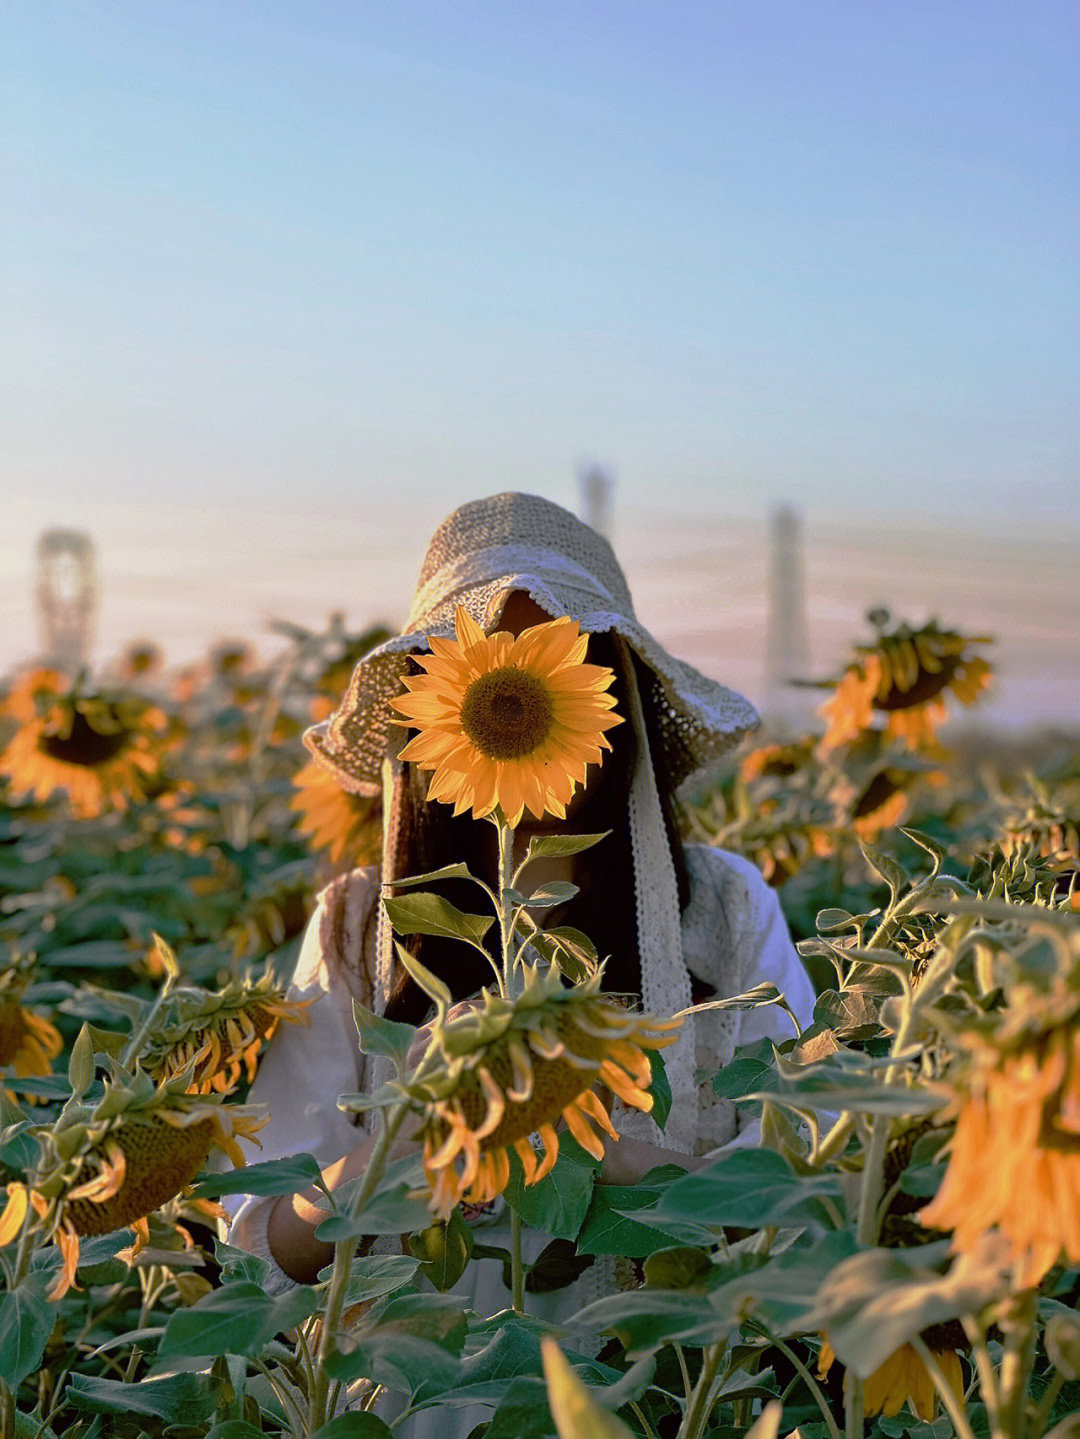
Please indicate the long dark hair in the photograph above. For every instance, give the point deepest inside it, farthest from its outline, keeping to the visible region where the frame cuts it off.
(603, 909)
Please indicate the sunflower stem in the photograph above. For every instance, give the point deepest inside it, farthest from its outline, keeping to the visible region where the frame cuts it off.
(1018, 1321)
(506, 914)
(135, 1043)
(952, 1406)
(517, 1269)
(696, 1417)
(344, 1249)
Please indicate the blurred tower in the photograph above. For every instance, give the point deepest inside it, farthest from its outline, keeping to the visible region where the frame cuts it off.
(787, 645)
(66, 597)
(597, 487)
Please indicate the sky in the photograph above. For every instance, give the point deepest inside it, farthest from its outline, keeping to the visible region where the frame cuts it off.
(736, 252)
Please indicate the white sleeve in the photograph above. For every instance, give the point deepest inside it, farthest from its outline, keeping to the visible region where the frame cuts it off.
(308, 1065)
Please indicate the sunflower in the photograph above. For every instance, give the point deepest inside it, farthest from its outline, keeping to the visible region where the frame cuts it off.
(507, 722)
(28, 1043)
(345, 824)
(512, 1067)
(219, 1035)
(99, 747)
(108, 1166)
(905, 674)
(1014, 1161)
(905, 1379)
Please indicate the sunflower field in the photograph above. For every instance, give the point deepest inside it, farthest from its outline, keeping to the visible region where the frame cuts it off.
(899, 1254)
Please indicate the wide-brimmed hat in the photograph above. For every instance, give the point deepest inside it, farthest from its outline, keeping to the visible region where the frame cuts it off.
(480, 554)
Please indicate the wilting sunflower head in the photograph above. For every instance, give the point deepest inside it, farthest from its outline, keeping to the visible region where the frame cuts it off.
(102, 748)
(905, 1379)
(28, 1042)
(508, 1068)
(508, 722)
(215, 1037)
(904, 674)
(346, 824)
(107, 1166)
(1014, 1159)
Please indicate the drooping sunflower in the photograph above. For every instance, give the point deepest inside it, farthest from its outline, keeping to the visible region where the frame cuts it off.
(107, 1166)
(1014, 1092)
(512, 1067)
(347, 825)
(508, 722)
(28, 1042)
(103, 748)
(904, 1379)
(905, 674)
(1014, 1160)
(219, 1034)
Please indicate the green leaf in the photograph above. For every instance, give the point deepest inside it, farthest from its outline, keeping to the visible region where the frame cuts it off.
(81, 1063)
(885, 866)
(568, 948)
(382, 1036)
(749, 1188)
(560, 845)
(26, 1321)
(750, 1067)
(558, 1204)
(238, 1318)
(553, 892)
(167, 956)
(286, 1175)
(832, 1087)
(448, 871)
(851, 1014)
(356, 1425)
(659, 1088)
(576, 1413)
(411, 1341)
(431, 914)
(430, 983)
(392, 1210)
(178, 1398)
(235, 1429)
(371, 1276)
(877, 1300)
(607, 1230)
(929, 844)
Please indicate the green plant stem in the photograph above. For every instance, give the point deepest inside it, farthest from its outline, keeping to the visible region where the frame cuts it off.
(688, 1387)
(344, 1249)
(1046, 1406)
(292, 1412)
(650, 1432)
(696, 1417)
(854, 1404)
(1016, 1363)
(807, 1378)
(135, 1043)
(517, 1269)
(950, 1403)
(506, 917)
(976, 1335)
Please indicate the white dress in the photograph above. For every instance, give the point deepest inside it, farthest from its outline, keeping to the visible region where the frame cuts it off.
(734, 936)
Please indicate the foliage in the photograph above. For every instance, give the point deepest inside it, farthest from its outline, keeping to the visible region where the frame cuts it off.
(762, 1293)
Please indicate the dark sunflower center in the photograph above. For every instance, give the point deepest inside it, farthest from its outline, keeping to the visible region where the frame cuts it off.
(84, 745)
(507, 713)
(12, 1030)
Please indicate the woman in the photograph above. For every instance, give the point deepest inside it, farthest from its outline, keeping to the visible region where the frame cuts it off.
(680, 924)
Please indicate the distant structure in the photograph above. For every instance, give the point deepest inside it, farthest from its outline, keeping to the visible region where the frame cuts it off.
(597, 488)
(787, 644)
(66, 597)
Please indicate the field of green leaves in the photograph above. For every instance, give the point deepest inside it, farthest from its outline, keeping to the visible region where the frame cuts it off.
(900, 1255)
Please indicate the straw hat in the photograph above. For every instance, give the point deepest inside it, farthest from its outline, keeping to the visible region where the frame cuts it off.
(480, 554)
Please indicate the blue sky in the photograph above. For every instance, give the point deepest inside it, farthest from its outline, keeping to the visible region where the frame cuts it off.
(736, 252)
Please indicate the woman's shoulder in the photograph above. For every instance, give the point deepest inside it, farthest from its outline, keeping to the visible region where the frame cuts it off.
(730, 904)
